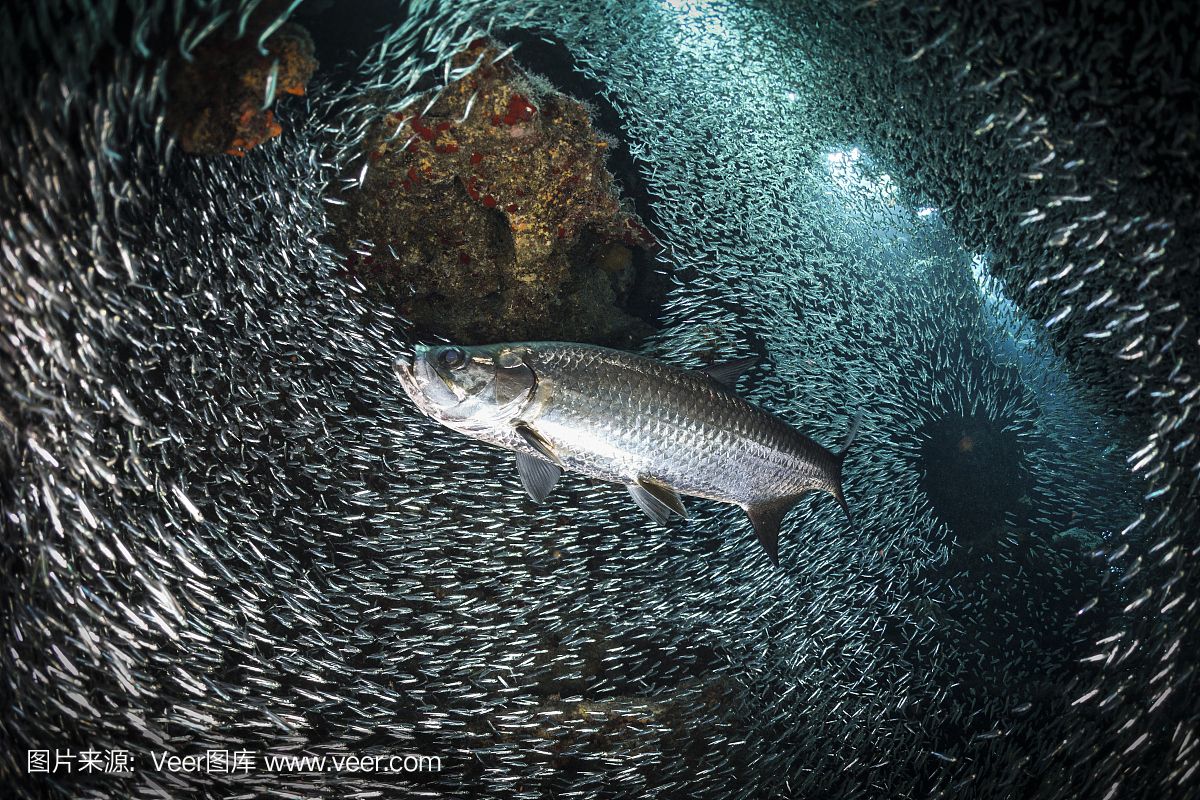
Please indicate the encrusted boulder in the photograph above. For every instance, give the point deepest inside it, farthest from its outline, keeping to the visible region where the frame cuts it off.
(221, 93)
(491, 214)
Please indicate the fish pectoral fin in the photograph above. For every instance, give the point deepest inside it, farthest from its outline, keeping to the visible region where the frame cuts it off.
(656, 499)
(537, 442)
(728, 373)
(538, 476)
(766, 518)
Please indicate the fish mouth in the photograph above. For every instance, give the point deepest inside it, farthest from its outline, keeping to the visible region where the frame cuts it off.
(402, 366)
(422, 381)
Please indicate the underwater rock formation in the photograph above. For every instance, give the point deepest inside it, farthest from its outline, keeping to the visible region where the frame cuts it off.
(487, 213)
(221, 92)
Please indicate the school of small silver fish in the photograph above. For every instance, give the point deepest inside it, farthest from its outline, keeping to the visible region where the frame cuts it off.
(225, 527)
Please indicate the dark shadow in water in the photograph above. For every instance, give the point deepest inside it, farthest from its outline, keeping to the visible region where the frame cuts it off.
(973, 473)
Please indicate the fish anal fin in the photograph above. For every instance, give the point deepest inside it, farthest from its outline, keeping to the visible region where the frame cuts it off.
(538, 476)
(728, 373)
(766, 517)
(537, 442)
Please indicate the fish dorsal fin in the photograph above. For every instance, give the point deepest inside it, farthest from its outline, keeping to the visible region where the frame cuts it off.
(766, 518)
(538, 476)
(537, 442)
(728, 373)
(656, 499)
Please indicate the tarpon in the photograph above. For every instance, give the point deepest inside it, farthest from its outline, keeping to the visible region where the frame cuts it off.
(661, 430)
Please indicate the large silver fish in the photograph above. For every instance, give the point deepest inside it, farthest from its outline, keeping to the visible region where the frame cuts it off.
(661, 430)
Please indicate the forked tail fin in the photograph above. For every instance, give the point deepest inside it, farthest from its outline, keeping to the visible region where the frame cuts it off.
(766, 516)
(855, 424)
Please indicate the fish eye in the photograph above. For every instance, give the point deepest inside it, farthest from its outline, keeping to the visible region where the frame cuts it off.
(453, 357)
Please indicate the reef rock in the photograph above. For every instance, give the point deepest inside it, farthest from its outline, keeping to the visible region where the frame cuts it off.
(491, 215)
(221, 92)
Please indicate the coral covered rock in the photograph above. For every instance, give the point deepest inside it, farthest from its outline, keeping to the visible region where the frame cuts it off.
(492, 215)
(220, 99)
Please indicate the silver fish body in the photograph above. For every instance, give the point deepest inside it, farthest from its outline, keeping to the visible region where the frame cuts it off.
(661, 430)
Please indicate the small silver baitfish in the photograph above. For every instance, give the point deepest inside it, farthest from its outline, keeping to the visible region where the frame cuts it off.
(661, 430)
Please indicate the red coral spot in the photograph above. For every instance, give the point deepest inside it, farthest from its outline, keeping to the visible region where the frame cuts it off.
(412, 174)
(442, 126)
(561, 233)
(489, 201)
(476, 157)
(471, 190)
(463, 258)
(511, 208)
(424, 131)
(519, 110)
(374, 156)
(407, 184)
(495, 119)
(447, 147)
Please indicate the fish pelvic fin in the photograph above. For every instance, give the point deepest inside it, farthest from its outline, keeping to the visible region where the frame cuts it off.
(840, 457)
(657, 499)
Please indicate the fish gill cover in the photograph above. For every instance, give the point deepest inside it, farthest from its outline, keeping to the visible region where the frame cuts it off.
(223, 529)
